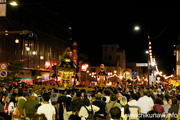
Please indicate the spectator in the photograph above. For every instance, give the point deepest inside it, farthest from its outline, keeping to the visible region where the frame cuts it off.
(153, 115)
(21, 101)
(7, 99)
(158, 106)
(74, 115)
(112, 103)
(1, 104)
(145, 103)
(115, 113)
(47, 108)
(67, 105)
(83, 113)
(77, 101)
(107, 95)
(101, 104)
(133, 107)
(54, 97)
(12, 107)
(173, 111)
(125, 106)
(167, 102)
(60, 105)
(29, 107)
(39, 117)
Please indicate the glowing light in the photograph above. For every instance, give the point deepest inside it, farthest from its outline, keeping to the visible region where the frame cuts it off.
(13, 3)
(41, 57)
(136, 28)
(34, 52)
(28, 48)
(17, 41)
(153, 63)
(84, 67)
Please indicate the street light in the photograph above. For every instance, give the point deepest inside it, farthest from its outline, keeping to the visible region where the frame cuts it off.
(149, 52)
(14, 3)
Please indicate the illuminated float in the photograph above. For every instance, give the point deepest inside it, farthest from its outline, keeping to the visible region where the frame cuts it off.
(66, 69)
(101, 76)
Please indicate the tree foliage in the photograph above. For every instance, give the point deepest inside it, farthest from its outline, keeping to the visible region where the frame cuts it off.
(14, 71)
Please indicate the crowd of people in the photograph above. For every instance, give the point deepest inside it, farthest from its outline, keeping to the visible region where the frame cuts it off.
(41, 102)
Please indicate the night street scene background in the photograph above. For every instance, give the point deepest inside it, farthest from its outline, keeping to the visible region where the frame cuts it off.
(57, 59)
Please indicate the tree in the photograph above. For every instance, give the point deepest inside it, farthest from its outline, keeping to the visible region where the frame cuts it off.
(14, 71)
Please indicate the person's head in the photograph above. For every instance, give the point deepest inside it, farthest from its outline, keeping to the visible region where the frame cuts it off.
(158, 100)
(39, 117)
(20, 92)
(98, 95)
(34, 96)
(14, 98)
(61, 92)
(78, 94)
(104, 99)
(145, 92)
(113, 97)
(86, 101)
(27, 95)
(15, 91)
(45, 97)
(133, 96)
(123, 100)
(106, 92)
(154, 115)
(68, 92)
(174, 100)
(115, 113)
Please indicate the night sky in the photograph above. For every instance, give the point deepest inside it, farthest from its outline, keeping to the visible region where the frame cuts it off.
(98, 25)
(95, 24)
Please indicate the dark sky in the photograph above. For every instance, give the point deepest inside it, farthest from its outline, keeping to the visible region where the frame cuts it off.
(95, 24)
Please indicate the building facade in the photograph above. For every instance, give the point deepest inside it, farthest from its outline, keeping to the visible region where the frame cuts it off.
(177, 53)
(29, 35)
(112, 55)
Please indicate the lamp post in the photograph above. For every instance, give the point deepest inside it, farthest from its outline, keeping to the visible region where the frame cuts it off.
(149, 52)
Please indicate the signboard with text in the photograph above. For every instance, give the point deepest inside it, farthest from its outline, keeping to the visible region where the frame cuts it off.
(141, 64)
(2, 8)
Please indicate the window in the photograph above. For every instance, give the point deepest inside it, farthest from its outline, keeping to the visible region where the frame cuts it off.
(112, 48)
(105, 48)
(109, 57)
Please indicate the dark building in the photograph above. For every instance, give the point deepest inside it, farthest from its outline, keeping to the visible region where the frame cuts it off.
(40, 34)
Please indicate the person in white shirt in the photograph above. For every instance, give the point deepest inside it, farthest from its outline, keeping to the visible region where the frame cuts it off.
(12, 107)
(133, 107)
(145, 103)
(83, 113)
(46, 108)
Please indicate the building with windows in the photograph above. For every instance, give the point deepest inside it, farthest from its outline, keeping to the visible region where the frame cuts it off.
(112, 55)
(177, 53)
(34, 37)
(114, 60)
